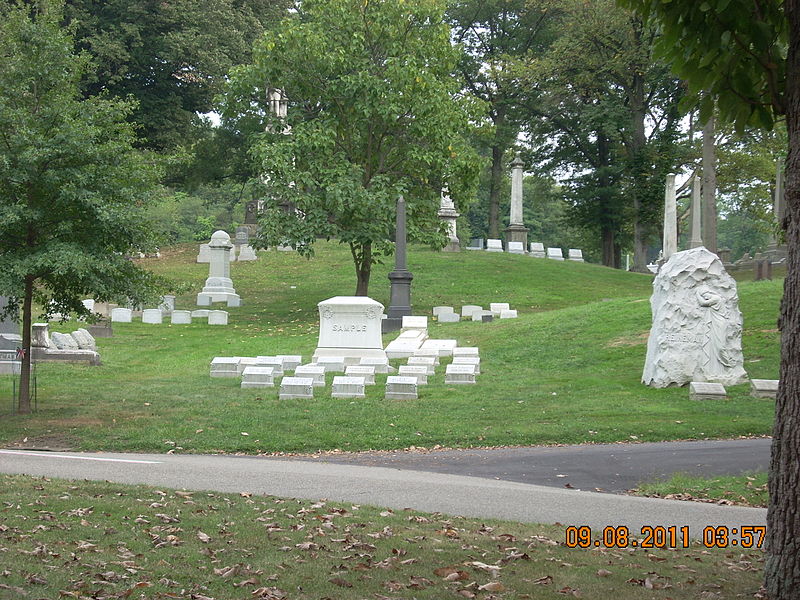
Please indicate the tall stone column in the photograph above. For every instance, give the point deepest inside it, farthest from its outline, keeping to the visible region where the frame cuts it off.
(670, 245)
(447, 213)
(400, 278)
(697, 214)
(516, 230)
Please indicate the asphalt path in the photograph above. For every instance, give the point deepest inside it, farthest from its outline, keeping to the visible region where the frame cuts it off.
(446, 493)
(596, 467)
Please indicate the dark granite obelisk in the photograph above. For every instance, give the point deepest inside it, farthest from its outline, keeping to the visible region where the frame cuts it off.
(400, 278)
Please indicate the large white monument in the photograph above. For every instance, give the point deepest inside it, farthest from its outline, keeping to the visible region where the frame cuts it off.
(696, 333)
(350, 327)
(219, 287)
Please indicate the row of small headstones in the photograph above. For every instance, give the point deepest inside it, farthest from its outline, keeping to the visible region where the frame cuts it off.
(536, 250)
(155, 316)
(759, 388)
(79, 339)
(261, 371)
(500, 310)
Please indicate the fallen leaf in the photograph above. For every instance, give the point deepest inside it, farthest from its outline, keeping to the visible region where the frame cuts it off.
(603, 573)
(203, 537)
(546, 580)
(492, 586)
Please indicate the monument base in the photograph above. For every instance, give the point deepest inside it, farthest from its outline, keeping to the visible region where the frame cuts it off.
(517, 233)
(452, 246)
(352, 356)
(208, 298)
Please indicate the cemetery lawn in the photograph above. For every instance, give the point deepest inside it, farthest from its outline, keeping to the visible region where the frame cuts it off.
(749, 489)
(566, 371)
(99, 540)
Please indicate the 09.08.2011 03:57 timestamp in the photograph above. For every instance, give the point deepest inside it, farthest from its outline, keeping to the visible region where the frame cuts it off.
(664, 536)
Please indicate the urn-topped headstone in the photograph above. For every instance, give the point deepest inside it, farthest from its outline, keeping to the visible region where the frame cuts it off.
(219, 287)
(350, 327)
(696, 333)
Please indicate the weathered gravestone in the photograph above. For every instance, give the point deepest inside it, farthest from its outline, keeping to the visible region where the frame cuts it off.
(696, 335)
(537, 250)
(219, 287)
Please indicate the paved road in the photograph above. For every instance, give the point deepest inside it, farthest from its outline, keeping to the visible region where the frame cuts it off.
(381, 486)
(606, 467)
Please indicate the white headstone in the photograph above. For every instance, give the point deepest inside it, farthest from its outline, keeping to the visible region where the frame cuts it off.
(401, 388)
(315, 372)
(418, 371)
(468, 309)
(275, 362)
(296, 387)
(459, 373)
(153, 316)
(449, 317)
(465, 351)
(219, 287)
(428, 353)
(468, 360)
(217, 317)
(496, 307)
(200, 314)
(437, 310)
(555, 254)
(429, 362)
(493, 245)
(414, 322)
(246, 253)
(537, 250)
(575, 254)
(290, 361)
(167, 303)
(40, 335)
(444, 347)
(257, 377)
(482, 315)
(696, 333)
(347, 387)
(332, 364)
(381, 364)
(508, 313)
(350, 327)
(121, 315)
(181, 317)
(204, 256)
(367, 372)
(516, 247)
(700, 390)
(88, 304)
(225, 366)
(764, 388)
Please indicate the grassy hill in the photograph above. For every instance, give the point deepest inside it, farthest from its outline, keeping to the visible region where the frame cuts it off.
(566, 371)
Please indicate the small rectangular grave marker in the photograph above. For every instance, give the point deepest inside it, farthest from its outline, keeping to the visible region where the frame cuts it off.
(425, 361)
(468, 360)
(764, 388)
(458, 374)
(181, 317)
(217, 317)
(575, 254)
(508, 314)
(121, 315)
(444, 347)
(468, 309)
(449, 317)
(347, 387)
(700, 390)
(315, 372)
(200, 313)
(516, 248)
(381, 365)
(225, 366)
(414, 322)
(401, 388)
(537, 250)
(429, 352)
(497, 307)
(367, 372)
(465, 351)
(290, 361)
(437, 310)
(493, 245)
(418, 371)
(555, 254)
(256, 377)
(332, 364)
(296, 387)
(271, 361)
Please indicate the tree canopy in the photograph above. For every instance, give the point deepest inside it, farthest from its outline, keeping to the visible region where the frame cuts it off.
(73, 189)
(372, 112)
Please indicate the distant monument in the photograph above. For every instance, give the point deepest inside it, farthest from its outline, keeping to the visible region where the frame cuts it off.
(400, 278)
(447, 213)
(219, 287)
(670, 244)
(696, 333)
(516, 230)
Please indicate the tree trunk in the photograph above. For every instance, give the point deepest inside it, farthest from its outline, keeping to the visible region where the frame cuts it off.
(25, 370)
(641, 229)
(609, 246)
(362, 259)
(782, 568)
(495, 187)
(709, 187)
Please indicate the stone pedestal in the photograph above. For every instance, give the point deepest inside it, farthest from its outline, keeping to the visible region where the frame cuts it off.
(219, 287)
(400, 278)
(350, 327)
(517, 233)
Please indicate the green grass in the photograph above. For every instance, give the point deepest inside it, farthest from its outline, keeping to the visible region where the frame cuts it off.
(749, 489)
(89, 540)
(567, 371)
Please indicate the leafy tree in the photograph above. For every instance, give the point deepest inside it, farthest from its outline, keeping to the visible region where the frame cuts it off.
(495, 35)
(608, 114)
(72, 188)
(373, 113)
(170, 56)
(746, 54)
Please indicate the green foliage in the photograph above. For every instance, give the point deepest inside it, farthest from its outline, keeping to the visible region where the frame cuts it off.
(170, 56)
(73, 189)
(731, 52)
(373, 112)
